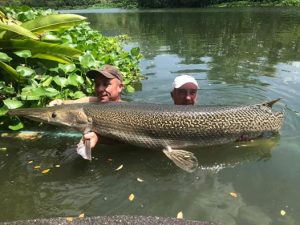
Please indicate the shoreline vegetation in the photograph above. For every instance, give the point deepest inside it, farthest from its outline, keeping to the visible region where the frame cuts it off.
(45, 55)
(100, 4)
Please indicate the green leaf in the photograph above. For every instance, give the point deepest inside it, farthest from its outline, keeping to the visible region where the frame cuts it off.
(9, 90)
(39, 47)
(16, 29)
(75, 80)
(3, 110)
(67, 68)
(53, 22)
(60, 81)
(12, 104)
(126, 81)
(79, 94)
(4, 57)
(51, 92)
(50, 38)
(12, 73)
(17, 126)
(2, 84)
(88, 61)
(24, 53)
(47, 81)
(30, 93)
(130, 89)
(135, 51)
(25, 71)
(55, 58)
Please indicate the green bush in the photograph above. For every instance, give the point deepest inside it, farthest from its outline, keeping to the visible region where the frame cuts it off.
(47, 57)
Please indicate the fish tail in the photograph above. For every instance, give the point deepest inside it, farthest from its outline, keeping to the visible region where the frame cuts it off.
(271, 103)
(183, 159)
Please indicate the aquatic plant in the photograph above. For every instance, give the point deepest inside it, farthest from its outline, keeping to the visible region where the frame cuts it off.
(45, 56)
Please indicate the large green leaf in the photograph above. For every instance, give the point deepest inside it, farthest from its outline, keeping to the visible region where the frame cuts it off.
(88, 61)
(78, 94)
(23, 53)
(17, 30)
(55, 58)
(3, 110)
(16, 126)
(39, 47)
(67, 68)
(48, 37)
(14, 76)
(47, 81)
(135, 51)
(25, 71)
(51, 92)
(30, 93)
(53, 22)
(60, 81)
(12, 104)
(4, 57)
(75, 80)
(130, 88)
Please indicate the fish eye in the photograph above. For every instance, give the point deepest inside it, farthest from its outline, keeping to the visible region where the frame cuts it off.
(53, 115)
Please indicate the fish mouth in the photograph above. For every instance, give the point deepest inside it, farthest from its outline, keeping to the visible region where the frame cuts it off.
(38, 114)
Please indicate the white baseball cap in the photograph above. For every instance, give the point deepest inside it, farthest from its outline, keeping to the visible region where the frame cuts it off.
(183, 79)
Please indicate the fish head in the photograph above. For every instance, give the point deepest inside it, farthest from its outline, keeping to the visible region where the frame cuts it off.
(64, 115)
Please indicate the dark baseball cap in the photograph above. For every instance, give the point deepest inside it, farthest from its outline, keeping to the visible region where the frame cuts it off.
(108, 71)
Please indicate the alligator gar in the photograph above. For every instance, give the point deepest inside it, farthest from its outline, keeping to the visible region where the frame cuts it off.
(169, 128)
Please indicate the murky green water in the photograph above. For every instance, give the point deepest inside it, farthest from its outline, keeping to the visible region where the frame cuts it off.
(239, 57)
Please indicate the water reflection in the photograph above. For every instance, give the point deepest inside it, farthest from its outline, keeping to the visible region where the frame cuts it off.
(242, 45)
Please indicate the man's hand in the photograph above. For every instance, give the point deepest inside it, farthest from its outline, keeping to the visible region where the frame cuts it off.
(55, 102)
(92, 136)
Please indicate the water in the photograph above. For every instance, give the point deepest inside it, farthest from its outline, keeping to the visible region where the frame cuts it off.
(239, 56)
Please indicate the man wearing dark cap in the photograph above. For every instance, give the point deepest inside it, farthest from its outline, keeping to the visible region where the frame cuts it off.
(108, 87)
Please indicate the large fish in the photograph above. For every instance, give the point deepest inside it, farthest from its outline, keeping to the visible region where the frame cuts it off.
(169, 128)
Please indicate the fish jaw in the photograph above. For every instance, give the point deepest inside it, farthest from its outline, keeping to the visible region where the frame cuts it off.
(59, 116)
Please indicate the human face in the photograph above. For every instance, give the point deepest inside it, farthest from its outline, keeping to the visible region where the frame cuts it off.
(185, 95)
(108, 89)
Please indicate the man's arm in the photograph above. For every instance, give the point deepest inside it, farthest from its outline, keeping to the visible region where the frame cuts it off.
(80, 100)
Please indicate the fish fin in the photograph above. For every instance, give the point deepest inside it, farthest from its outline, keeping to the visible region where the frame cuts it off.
(271, 103)
(183, 159)
(85, 150)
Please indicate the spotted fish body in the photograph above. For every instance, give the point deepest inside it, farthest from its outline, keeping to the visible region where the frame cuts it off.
(158, 126)
(164, 127)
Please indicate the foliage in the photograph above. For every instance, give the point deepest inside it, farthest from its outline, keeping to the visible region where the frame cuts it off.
(74, 3)
(47, 57)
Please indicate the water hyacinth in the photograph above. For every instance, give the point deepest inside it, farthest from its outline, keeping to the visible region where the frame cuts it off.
(45, 56)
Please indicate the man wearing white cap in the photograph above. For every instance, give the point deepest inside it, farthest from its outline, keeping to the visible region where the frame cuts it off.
(184, 90)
